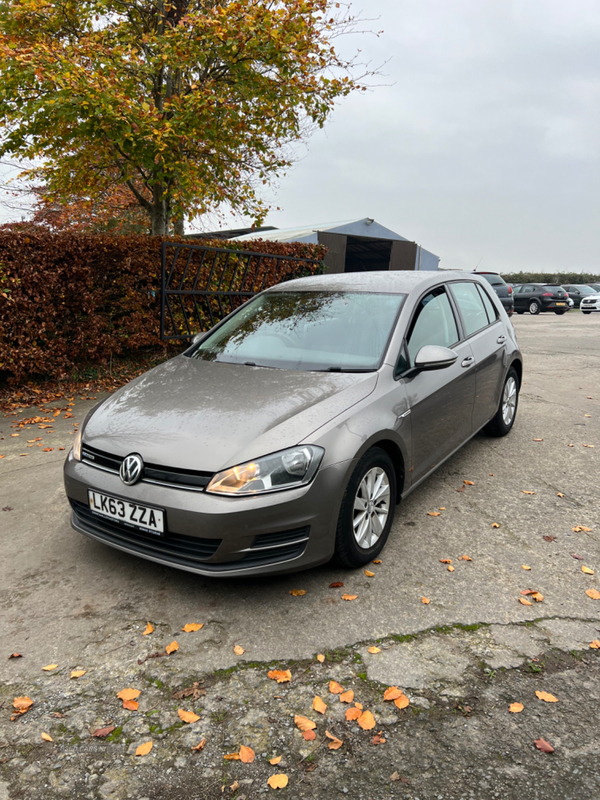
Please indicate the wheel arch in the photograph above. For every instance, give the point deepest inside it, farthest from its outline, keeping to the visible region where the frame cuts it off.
(517, 365)
(395, 453)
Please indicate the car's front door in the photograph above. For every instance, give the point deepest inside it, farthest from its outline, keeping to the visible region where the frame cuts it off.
(522, 298)
(440, 401)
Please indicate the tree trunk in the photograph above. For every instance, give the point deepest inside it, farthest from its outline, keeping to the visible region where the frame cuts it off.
(178, 227)
(160, 212)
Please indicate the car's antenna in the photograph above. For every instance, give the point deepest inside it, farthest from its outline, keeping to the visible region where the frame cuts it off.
(478, 263)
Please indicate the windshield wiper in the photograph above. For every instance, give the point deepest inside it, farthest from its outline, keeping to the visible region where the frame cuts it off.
(344, 369)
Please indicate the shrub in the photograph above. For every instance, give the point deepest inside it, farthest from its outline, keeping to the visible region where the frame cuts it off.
(551, 278)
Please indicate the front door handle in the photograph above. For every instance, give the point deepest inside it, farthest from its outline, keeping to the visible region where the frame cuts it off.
(501, 339)
(466, 362)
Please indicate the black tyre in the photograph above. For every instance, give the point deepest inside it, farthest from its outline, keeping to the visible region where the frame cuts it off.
(586, 312)
(561, 312)
(534, 307)
(367, 510)
(520, 312)
(503, 420)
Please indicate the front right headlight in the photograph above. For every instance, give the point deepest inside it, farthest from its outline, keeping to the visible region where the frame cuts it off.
(286, 469)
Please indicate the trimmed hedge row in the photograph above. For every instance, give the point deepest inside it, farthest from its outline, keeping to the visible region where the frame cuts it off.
(73, 298)
(552, 278)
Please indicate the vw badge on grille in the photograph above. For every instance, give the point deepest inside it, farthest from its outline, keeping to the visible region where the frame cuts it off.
(131, 469)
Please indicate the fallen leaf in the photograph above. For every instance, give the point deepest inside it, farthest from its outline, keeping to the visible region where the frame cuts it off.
(278, 781)
(526, 492)
(234, 787)
(378, 739)
(445, 560)
(128, 694)
(543, 745)
(320, 658)
(524, 602)
(450, 568)
(309, 735)
(15, 655)
(582, 528)
(433, 513)
(335, 688)
(144, 749)
(131, 705)
(468, 483)
(538, 440)
(148, 629)
(247, 754)
(238, 650)
(304, 724)
(392, 693)
(22, 704)
(49, 667)
(549, 538)
(232, 757)
(336, 584)
(335, 743)
(495, 525)
(47, 738)
(353, 713)
(347, 697)
(15, 434)
(374, 650)
(537, 596)
(78, 673)
(442, 508)
(190, 627)
(297, 592)
(465, 558)
(461, 488)
(394, 776)
(199, 746)
(187, 716)
(319, 705)
(579, 558)
(524, 566)
(593, 593)
(275, 760)
(369, 574)
(516, 708)
(280, 675)
(548, 698)
(402, 701)
(377, 561)
(47, 449)
(595, 645)
(349, 596)
(171, 648)
(366, 721)
(587, 570)
(101, 733)
(425, 600)
(559, 494)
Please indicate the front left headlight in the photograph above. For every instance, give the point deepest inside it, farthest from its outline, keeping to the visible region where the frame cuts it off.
(77, 444)
(287, 469)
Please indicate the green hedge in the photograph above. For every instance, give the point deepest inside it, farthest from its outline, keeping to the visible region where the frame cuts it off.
(551, 277)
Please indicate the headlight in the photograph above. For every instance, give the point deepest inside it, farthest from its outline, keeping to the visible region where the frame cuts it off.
(284, 470)
(77, 445)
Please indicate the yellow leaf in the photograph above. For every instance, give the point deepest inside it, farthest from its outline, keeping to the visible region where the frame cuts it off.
(559, 494)
(187, 716)
(280, 675)
(537, 597)
(495, 525)
(190, 627)
(297, 592)
(524, 602)
(77, 673)
(392, 693)
(239, 651)
(378, 561)
(347, 697)
(49, 667)
(246, 754)
(232, 757)
(442, 508)
(515, 708)
(278, 781)
(148, 630)
(353, 713)
(433, 514)
(369, 574)
(171, 648)
(524, 566)
(366, 721)
(587, 570)
(199, 746)
(402, 701)
(425, 601)
(335, 743)
(548, 698)
(465, 558)
(450, 568)
(47, 738)
(593, 593)
(526, 492)
(319, 705)
(144, 749)
(595, 645)
(304, 724)
(374, 650)
(335, 688)
(468, 483)
(320, 658)
(128, 694)
(349, 596)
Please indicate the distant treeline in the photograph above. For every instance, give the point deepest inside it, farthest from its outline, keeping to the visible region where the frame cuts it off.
(551, 277)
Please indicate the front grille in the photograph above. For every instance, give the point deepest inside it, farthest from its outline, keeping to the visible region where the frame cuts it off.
(189, 479)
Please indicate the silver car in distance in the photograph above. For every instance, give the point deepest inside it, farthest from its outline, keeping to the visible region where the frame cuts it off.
(288, 433)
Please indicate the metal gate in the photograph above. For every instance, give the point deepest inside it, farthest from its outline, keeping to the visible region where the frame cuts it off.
(201, 285)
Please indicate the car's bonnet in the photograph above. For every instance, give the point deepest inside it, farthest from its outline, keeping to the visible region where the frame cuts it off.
(203, 415)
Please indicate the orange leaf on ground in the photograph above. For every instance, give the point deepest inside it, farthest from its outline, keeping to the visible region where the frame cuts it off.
(309, 735)
(548, 698)
(495, 525)
(374, 650)
(468, 483)
(335, 743)
(319, 705)
(366, 721)
(582, 529)
(593, 593)
(587, 570)
(378, 739)
(525, 592)
(232, 757)
(369, 574)
(131, 705)
(304, 724)
(450, 568)
(275, 760)
(349, 596)
(358, 705)
(445, 560)
(320, 658)
(526, 492)
(515, 708)
(49, 667)
(171, 648)
(524, 602)
(336, 584)
(280, 675)
(595, 645)
(47, 738)
(425, 601)
(543, 745)
(297, 592)
(465, 558)
(187, 716)
(433, 514)
(402, 701)
(278, 781)
(392, 693)
(15, 655)
(246, 754)
(128, 694)
(148, 630)
(199, 746)
(144, 749)
(378, 561)
(353, 713)
(77, 673)
(559, 494)
(238, 650)
(47, 449)
(347, 697)
(101, 733)
(190, 627)
(335, 688)
(22, 704)
(524, 566)
(538, 440)
(537, 596)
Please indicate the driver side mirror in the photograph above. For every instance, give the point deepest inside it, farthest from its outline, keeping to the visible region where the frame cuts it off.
(432, 356)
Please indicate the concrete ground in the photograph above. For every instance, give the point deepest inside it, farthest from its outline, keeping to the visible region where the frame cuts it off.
(461, 658)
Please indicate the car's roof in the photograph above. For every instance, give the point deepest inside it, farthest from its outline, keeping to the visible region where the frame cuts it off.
(388, 281)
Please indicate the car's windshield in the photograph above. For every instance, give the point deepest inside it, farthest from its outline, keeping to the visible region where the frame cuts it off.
(345, 331)
(585, 289)
(550, 287)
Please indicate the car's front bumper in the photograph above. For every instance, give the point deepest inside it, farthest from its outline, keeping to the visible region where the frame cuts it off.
(590, 306)
(508, 303)
(211, 535)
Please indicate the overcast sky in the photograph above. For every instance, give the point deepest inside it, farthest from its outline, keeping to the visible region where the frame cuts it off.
(484, 145)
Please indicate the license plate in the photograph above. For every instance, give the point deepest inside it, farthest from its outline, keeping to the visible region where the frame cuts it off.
(135, 515)
(561, 304)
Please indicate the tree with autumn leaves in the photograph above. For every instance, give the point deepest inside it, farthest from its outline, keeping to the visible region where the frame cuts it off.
(190, 103)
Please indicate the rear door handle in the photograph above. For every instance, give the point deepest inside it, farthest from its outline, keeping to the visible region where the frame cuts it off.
(466, 362)
(501, 339)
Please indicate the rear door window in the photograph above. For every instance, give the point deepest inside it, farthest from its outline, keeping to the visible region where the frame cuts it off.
(471, 307)
(489, 306)
(434, 323)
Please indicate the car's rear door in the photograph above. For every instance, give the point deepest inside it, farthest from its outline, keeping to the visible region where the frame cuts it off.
(441, 401)
(486, 334)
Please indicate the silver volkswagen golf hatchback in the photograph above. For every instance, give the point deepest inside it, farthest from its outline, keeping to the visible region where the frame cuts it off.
(288, 433)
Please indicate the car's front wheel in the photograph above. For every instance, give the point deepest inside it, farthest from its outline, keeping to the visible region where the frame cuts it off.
(534, 307)
(503, 420)
(561, 312)
(586, 312)
(367, 510)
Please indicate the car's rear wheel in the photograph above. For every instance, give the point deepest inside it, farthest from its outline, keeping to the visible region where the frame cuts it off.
(367, 510)
(561, 311)
(586, 312)
(502, 422)
(534, 307)
(520, 312)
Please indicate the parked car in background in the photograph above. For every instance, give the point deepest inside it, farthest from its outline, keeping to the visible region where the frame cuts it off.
(594, 286)
(503, 290)
(591, 302)
(577, 291)
(537, 297)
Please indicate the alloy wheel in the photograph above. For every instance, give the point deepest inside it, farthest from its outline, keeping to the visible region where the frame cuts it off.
(509, 400)
(371, 508)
